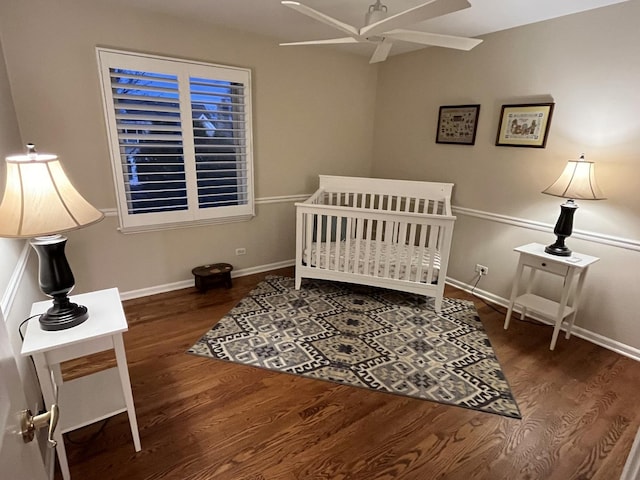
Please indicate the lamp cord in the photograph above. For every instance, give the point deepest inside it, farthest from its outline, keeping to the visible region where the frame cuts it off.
(23, 322)
(532, 322)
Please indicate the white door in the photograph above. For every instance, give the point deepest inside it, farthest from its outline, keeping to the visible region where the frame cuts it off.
(18, 460)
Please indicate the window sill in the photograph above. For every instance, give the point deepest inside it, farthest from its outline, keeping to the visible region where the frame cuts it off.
(189, 224)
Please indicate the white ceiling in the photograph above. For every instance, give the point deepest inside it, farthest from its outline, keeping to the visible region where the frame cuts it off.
(270, 18)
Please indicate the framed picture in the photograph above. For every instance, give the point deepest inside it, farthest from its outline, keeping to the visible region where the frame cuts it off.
(458, 124)
(524, 125)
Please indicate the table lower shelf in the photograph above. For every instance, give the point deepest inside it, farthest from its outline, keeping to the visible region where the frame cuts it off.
(86, 400)
(541, 305)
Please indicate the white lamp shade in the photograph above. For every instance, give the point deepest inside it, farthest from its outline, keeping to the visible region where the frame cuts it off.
(40, 200)
(577, 181)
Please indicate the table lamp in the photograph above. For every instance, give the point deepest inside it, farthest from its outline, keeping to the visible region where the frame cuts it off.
(40, 202)
(578, 180)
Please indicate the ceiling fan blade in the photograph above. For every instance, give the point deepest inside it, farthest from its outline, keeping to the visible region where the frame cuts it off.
(382, 51)
(321, 17)
(434, 39)
(431, 9)
(330, 41)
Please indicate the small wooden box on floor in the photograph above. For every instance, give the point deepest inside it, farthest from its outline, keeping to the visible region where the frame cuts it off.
(207, 276)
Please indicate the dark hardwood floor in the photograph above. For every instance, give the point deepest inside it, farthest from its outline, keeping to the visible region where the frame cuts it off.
(206, 419)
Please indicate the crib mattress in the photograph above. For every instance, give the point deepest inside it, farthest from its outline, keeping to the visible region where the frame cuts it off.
(398, 255)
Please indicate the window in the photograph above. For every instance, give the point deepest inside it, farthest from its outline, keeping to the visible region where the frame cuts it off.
(180, 140)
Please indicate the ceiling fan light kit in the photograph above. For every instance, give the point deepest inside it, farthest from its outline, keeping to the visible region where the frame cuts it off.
(383, 30)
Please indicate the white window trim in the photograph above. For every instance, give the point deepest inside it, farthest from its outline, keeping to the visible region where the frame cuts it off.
(194, 216)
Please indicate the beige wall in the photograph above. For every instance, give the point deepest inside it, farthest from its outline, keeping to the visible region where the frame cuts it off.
(312, 115)
(588, 64)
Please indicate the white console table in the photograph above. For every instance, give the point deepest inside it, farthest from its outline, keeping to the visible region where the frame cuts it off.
(536, 259)
(93, 397)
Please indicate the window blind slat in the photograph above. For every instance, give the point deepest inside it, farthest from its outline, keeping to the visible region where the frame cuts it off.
(151, 127)
(150, 137)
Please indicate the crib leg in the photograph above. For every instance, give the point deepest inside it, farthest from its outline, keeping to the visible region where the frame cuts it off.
(438, 303)
(298, 281)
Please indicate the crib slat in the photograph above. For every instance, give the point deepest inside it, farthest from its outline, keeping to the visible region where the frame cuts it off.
(367, 249)
(401, 247)
(402, 232)
(412, 241)
(378, 248)
(318, 238)
(358, 238)
(308, 239)
(421, 251)
(326, 243)
(338, 238)
(388, 242)
(411, 245)
(433, 237)
(347, 246)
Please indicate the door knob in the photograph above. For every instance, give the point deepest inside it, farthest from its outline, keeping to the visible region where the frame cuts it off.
(30, 423)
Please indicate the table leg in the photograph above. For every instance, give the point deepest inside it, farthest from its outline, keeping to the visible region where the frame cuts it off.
(46, 376)
(576, 301)
(514, 293)
(121, 360)
(560, 315)
(200, 284)
(532, 278)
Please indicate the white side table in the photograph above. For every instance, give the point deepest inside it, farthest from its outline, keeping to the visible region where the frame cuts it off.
(93, 397)
(533, 257)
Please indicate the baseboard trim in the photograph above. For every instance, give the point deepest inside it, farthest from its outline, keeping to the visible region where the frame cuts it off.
(605, 342)
(169, 287)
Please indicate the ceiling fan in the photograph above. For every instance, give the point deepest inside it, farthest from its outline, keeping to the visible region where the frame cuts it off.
(383, 30)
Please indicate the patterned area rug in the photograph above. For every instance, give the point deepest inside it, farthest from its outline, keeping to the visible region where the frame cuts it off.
(366, 337)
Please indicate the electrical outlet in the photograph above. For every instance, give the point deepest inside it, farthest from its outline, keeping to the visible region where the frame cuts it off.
(482, 270)
(241, 251)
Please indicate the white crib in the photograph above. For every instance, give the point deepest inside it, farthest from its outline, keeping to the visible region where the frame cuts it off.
(393, 234)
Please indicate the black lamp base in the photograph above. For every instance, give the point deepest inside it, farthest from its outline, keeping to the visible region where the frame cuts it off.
(558, 248)
(63, 317)
(56, 280)
(563, 229)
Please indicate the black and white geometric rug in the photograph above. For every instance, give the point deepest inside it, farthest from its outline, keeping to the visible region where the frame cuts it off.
(366, 337)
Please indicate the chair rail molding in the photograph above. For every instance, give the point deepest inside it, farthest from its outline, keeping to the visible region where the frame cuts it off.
(595, 237)
(283, 199)
(113, 212)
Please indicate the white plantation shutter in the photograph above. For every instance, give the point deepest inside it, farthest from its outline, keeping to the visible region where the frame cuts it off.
(221, 166)
(180, 140)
